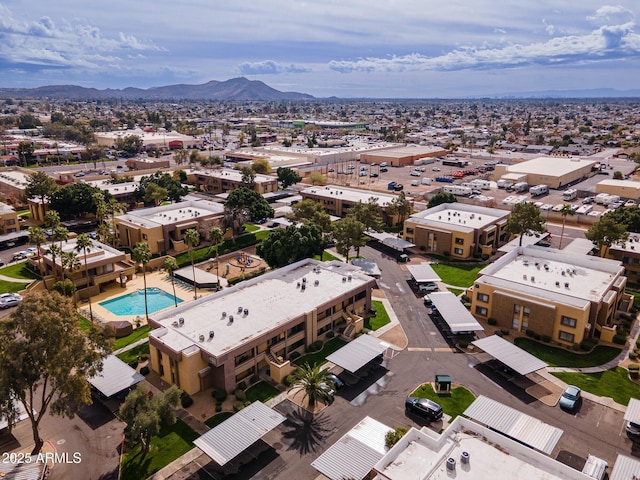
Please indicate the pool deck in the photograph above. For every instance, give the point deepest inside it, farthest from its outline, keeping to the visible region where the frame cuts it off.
(154, 279)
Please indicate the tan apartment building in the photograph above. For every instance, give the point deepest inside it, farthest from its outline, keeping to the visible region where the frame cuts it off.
(222, 339)
(9, 222)
(457, 230)
(628, 253)
(568, 297)
(225, 180)
(163, 227)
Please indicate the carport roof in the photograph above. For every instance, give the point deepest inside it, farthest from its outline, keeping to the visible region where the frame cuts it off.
(454, 313)
(357, 353)
(229, 439)
(633, 411)
(355, 454)
(423, 273)
(514, 424)
(115, 377)
(625, 468)
(389, 240)
(512, 356)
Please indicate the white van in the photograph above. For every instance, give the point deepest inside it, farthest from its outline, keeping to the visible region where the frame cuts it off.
(414, 183)
(383, 164)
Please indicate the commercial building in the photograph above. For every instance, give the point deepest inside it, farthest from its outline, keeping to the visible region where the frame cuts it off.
(222, 339)
(401, 156)
(225, 180)
(163, 227)
(149, 163)
(555, 172)
(457, 230)
(150, 139)
(9, 222)
(13, 181)
(628, 189)
(567, 297)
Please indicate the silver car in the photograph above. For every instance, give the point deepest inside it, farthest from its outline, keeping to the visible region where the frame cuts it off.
(8, 300)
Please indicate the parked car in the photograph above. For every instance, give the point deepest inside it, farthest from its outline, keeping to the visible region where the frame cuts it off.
(382, 170)
(587, 200)
(570, 398)
(373, 175)
(273, 225)
(423, 407)
(427, 300)
(9, 300)
(633, 431)
(261, 221)
(18, 256)
(435, 169)
(428, 287)
(337, 383)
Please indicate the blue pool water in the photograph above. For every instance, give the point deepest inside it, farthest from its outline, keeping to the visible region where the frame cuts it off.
(133, 303)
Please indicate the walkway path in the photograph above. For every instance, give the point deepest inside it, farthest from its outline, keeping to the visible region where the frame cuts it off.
(131, 346)
(15, 280)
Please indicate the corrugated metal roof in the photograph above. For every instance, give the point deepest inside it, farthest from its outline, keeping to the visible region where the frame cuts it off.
(115, 377)
(389, 240)
(357, 353)
(625, 468)
(22, 471)
(423, 272)
(454, 313)
(355, 454)
(517, 425)
(633, 411)
(227, 440)
(512, 356)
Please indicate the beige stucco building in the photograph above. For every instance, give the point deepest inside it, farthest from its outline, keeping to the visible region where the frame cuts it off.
(627, 189)
(222, 339)
(161, 140)
(568, 297)
(555, 172)
(9, 222)
(225, 180)
(401, 156)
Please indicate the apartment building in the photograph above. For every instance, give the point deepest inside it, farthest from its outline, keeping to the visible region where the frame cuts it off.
(628, 253)
(457, 230)
(222, 339)
(225, 180)
(568, 297)
(9, 222)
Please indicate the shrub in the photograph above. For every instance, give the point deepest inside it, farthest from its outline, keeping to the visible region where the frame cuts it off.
(240, 395)
(133, 364)
(294, 355)
(186, 400)
(485, 256)
(288, 380)
(315, 346)
(505, 331)
(634, 367)
(254, 379)
(393, 436)
(247, 403)
(632, 356)
(144, 357)
(499, 333)
(463, 344)
(537, 336)
(575, 346)
(530, 333)
(546, 338)
(619, 339)
(218, 408)
(242, 386)
(638, 343)
(330, 334)
(237, 406)
(493, 321)
(145, 370)
(446, 253)
(587, 344)
(422, 248)
(219, 395)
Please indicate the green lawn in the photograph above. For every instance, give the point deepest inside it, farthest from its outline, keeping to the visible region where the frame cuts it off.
(457, 275)
(132, 355)
(11, 287)
(19, 270)
(559, 357)
(172, 442)
(137, 334)
(380, 319)
(205, 253)
(455, 291)
(326, 257)
(217, 419)
(613, 383)
(320, 357)
(261, 391)
(248, 227)
(84, 323)
(452, 405)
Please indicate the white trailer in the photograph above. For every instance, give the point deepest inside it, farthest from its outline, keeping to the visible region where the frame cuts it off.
(426, 181)
(457, 190)
(520, 187)
(538, 190)
(584, 209)
(612, 199)
(481, 184)
(569, 194)
(503, 183)
(601, 198)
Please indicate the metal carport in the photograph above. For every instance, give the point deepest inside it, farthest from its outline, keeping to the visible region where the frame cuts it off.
(625, 468)
(229, 439)
(632, 414)
(454, 313)
(115, 377)
(507, 353)
(391, 241)
(514, 424)
(357, 353)
(423, 273)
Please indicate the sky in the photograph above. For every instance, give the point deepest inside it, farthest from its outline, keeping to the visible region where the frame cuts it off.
(342, 48)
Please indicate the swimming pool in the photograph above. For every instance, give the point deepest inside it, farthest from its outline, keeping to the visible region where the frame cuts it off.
(133, 303)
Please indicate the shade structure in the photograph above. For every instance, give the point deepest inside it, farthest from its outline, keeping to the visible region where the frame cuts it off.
(357, 353)
(512, 356)
(454, 313)
(115, 377)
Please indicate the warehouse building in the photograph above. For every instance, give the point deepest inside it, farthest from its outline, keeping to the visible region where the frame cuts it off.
(401, 156)
(555, 172)
(150, 139)
(628, 189)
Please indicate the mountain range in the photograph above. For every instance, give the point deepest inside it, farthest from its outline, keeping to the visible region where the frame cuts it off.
(239, 89)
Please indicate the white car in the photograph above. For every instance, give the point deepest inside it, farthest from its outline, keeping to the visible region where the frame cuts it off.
(9, 300)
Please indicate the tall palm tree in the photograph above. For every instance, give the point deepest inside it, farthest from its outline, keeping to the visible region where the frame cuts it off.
(60, 234)
(70, 264)
(566, 210)
(170, 265)
(215, 237)
(37, 237)
(192, 238)
(84, 243)
(313, 381)
(55, 252)
(142, 255)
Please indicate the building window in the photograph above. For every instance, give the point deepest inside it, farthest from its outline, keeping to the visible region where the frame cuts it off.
(457, 251)
(144, 236)
(459, 241)
(568, 321)
(526, 312)
(409, 230)
(566, 336)
(482, 297)
(482, 311)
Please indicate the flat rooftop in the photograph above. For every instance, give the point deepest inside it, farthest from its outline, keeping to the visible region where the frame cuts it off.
(408, 151)
(620, 183)
(15, 178)
(173, 213)
(115, 189)
(279, 293)
(556, 166)
(229, 174)
(99, 252)
(460, 216)
(349, 194)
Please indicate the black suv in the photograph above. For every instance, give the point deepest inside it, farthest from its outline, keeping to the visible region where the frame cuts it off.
(633, 432)
(423, 407)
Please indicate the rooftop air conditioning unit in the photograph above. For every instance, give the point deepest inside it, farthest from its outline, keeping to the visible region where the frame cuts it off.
(240, 309)
(533, 279)
(201, 338)
(211, 333)
(451, 464)
(557, 284)
(230, 318)
(344, 279)
(524, 277)
(316, 283)
(181, 321)
(464, 458)
(566, 284)
(303, 287)
(562, 273)
(246, 311)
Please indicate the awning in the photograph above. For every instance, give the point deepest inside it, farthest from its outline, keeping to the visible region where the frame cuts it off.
(355, 454)
(514, 424)
(423, 273)
(389, 240)
(632, 414)
(512, 356)
(625, 468)
(229, 439)
(368, 265)
(202, 278)
(357, 353)
(454, 313)
(115, 377)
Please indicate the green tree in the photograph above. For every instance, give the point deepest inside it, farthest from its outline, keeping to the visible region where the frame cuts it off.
(348, 233)
(155, 193)
(288, 245)
(617, 175)
(400, 207)
(145, 415)
(248, 176)
(132, 144)
(567, 210)
(37, 237)
(525, 219)
(55, 251)
(393, 436)
(192, 239)
(25, 153)
(170, 265)
(234, 218)
(84, 244)
(261, 165)
(310, 211)
(367, 213)
(76, 199)
(254, 203)
(70, 263)
(40, 186)
(605, 232)
(215, 237)
(313, 381)
(141, 255)
(45, 361)
(440, 198)
(172, 183)
(287, 177)
(317, 178)
(180, 156)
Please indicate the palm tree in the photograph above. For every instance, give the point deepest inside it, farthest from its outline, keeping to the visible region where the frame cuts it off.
(142, 255)
(566, 210)
(215, 237)
(192, 238)
(313, 381)
(70, 263)
(170, 265)
(60, 234)
(84, 243)
(55, 251)
(234, 218)
(37, 237)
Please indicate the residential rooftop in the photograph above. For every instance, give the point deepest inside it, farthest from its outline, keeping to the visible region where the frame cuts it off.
(169, 214)
(15, 178)
(460, 216)
(349, 194)
(96, 253)
(228, 173)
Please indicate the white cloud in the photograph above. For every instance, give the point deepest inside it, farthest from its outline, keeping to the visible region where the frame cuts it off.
(269, 67)
(612, 14)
